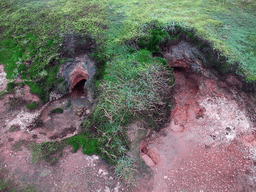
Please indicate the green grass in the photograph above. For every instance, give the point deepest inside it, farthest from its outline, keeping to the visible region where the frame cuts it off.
(32, 34)
(48, 151)
(57, 110)
(238, 32)
(17, 145)
(28, 33)
(129, 83)
(14, 128)
(207, 17)
(31, 106)
(125, 170)
(10, 86)
(130, 89)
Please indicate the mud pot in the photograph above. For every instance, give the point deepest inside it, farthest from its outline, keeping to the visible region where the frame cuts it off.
(210, 142)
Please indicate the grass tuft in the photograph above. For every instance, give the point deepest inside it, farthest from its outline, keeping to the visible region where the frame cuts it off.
(48, 151)
(125, 170)
(31, 106)
(57, 110)
(14, 128)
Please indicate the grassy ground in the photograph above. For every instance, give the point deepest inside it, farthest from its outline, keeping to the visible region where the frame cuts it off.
(32, 33)
(128, 79)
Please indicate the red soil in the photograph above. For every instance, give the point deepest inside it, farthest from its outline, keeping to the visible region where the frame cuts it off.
(203, 148)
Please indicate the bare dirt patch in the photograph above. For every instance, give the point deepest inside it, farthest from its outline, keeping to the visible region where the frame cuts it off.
(73, 171)
(209, 144)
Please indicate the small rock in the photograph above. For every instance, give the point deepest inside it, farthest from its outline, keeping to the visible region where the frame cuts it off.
(87, 111)
(175, 126)
(95, 157)
(80, 110)
(148, 160)
(110, 178)
(102, 172)
(116, 189)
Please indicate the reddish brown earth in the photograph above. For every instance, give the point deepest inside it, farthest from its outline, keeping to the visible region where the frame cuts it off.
(74, 171)
(77, 75)
(209, 144)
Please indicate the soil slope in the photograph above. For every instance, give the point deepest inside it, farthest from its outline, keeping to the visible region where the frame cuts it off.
(209, 144)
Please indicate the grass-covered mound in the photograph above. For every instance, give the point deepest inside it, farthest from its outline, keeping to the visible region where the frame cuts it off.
(135, 86)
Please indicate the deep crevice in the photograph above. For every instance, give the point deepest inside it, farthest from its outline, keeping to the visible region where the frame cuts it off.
(179, 69)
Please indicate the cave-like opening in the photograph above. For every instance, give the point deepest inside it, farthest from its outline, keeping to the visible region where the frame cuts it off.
(79, 88)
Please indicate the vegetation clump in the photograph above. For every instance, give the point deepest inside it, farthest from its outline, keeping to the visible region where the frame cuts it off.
(57, 110)
(11, 86)
(17, 145)
(125, 170)
(31, 106)
(14, 128)
(139, 89)
(48, 151)
(14, 102)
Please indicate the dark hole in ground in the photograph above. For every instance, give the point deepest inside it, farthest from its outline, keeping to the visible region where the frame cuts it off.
(179, 69)
(34, 136)
(79, 88)
(157, 55)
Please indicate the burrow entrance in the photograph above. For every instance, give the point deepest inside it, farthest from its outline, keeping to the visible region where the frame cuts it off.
(78, 78)
(78, 89)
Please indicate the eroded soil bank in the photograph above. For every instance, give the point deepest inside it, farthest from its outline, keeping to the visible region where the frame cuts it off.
(210, 142)
(208, 145)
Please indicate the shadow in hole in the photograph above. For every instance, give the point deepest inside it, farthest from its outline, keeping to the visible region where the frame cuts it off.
(78, 89)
